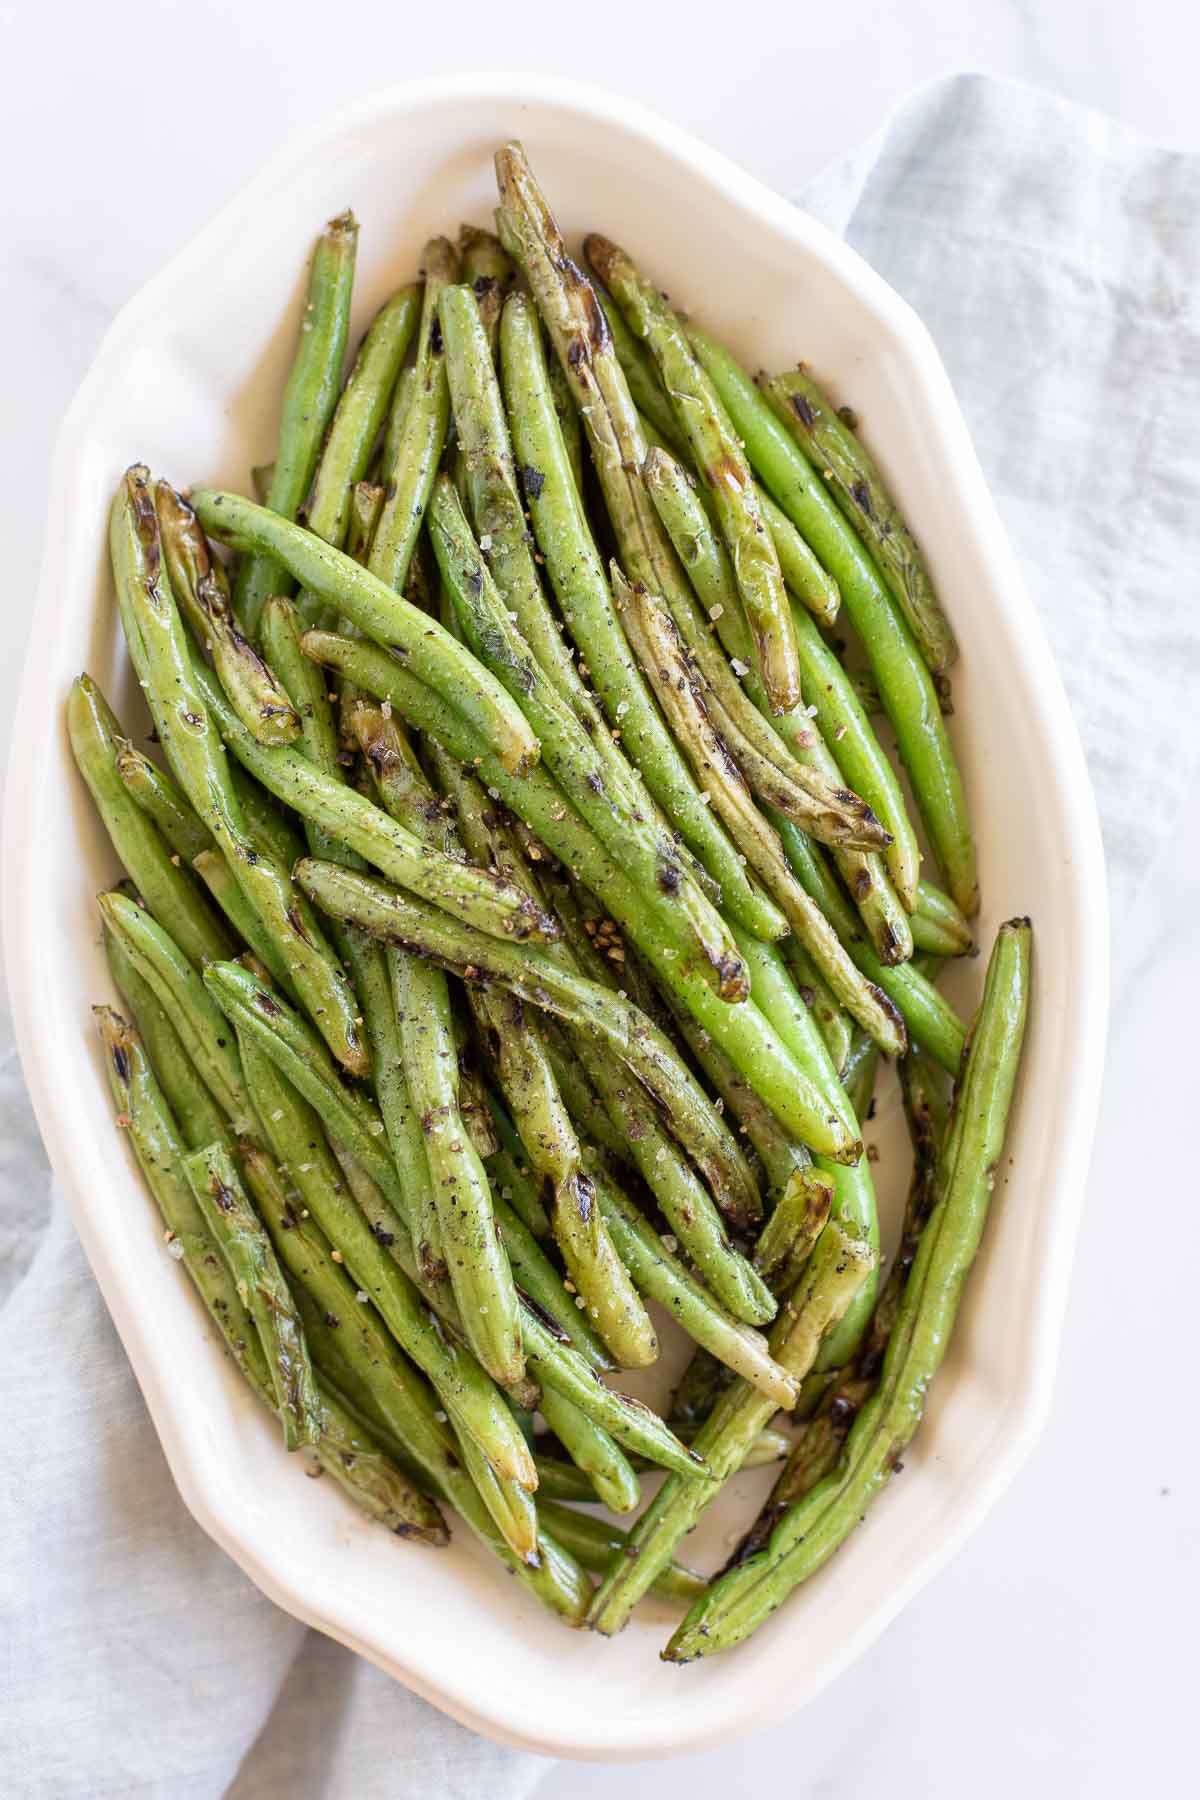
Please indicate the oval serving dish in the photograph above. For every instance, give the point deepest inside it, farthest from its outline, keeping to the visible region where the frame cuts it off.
(189, 378)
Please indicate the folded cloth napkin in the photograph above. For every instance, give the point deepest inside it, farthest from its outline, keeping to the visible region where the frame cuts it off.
(1054, 257)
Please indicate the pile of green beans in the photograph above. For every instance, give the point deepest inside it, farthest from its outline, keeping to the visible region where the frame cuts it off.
(511, 938)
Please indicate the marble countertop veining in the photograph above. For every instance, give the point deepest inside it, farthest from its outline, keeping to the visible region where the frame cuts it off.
(1055, 1656)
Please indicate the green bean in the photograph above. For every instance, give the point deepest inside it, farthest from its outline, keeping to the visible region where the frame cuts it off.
(809, 1533)
(779, 1152)
(646, 390)
(334, 1307)
(168, 890)
(825, 689)
(609, 1473)
(511, 1180)
(432, 655)
(356, 1463)
(351, 819)
(308, 402)
(566, 747)
(489, 272)
(633, 1424)
(836, 453)
(537, 978)
(568, 421)
(783, 1248)
(510, 1505)
(929, 1019)
(580, 1098)
(218, 878)
(200, 1120)
(835, 1274)
(788, 1237)
(421, 437)
(479, 1269)
(662, 1277)
(610, 1300)
(375, 983)
(181, 695)
(366, 504)
(351, 1120)
(738, 1029)
(162, 799)
(295, 1130)
(359, 415)
(498, 515)
(272, 829)
(854, 1202)
(904, 682)
(307, 688)
(541, 1284)
(579, 581)
(423, 987)
(530, 1083)
(859, 1081)
(596, 1543)
(260, 1281)
(814, 990)
(684, 1202)
(805, 576)
(654, 633)
(201, 590)
(180, 990)
(722, 462)
(938, 926)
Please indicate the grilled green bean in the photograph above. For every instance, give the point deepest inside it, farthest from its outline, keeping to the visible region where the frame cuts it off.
(596, 1543)
(809, 1533)
(359, 415)
(835, 1274)
(421, 436)
(537, 977)
(308, 402)
(839, 457)
(655, 634)
(608, 1471)
(181, 693)
(296, 1133)
(566, 542)
(201, 1121)
(937, 925)
(858, 758)
(201, 589)
(722, 462)
(345, 1452)
(350, 818)
(432, 655)
(217, 1188)
(583, 776)
(163, 800)
(168, 890)
(488, 270)
(929, 1019)
(479, 1271)
(905, 684)
(662, 1277)
(333, 1306)
(739, 1030)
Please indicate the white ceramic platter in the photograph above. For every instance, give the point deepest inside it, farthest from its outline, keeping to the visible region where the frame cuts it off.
(188, 379)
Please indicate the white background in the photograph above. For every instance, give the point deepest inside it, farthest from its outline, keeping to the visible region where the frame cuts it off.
(1056, 1656)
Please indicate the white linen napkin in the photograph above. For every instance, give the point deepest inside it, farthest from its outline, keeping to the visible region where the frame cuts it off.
(1054, 257)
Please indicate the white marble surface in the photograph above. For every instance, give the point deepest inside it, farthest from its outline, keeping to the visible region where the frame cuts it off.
(1056, 1653)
